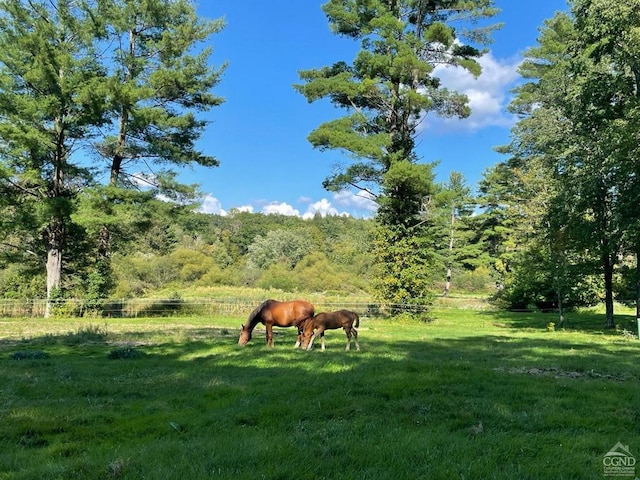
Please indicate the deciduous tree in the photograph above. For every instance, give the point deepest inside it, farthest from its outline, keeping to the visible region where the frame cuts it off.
(609, 37)
(581, 106)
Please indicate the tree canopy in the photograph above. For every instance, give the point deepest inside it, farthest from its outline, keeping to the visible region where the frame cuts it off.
(71, 73)
(579, 107)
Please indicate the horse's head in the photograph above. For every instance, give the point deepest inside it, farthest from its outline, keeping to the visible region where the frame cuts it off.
(305, 332)
(245, 336)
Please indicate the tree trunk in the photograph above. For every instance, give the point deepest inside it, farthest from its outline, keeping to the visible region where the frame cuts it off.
(608, 265)
(104, 244)
(637, 281)
(447, 283)
(53, 240)
(560, 309)
(54, 236)
(558, 256)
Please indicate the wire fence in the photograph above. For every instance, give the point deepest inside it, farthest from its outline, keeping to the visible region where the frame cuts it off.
(172, 307)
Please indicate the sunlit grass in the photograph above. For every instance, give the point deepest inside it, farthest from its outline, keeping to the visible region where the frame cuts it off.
(471, 394)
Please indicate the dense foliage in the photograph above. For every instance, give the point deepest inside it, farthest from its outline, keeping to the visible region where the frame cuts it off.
(93, 90)
(553, 225)
(188, 251)
(572, 176)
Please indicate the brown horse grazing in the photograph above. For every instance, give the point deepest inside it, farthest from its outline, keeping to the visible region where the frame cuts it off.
(280, 314)
(346, 319)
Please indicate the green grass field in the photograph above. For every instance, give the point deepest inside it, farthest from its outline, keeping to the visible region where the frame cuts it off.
(470, 395)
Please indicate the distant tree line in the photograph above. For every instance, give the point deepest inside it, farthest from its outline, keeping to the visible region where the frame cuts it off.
(179, 249)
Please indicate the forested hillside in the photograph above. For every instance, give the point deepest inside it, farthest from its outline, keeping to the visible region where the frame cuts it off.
(195, 250)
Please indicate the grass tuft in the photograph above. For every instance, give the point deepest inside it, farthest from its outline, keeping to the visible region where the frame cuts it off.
(125, 353)
(117, 468)
(29, 355)
(86, 334)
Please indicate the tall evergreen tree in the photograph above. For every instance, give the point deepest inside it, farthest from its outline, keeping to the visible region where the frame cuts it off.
(51, 99)
(454, 206)
(546, 185)
(387, 90)
(122, 75)
(159, 79)
(158, 84)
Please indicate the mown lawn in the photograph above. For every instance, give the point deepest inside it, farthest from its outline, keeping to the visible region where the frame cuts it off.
(470, 395)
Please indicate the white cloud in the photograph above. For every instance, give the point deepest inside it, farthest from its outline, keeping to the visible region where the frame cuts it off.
(323, 208)
(245, 208)
(280, 209)
(348, 202)
(344, 203)
(360, 201)
(488, 94)
(210, 204)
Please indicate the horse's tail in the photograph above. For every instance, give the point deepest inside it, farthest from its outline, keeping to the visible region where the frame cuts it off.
(356, 322)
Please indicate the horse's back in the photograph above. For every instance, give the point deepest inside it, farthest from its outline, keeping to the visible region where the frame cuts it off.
(337, 319)
(304, 308)
(290, 313)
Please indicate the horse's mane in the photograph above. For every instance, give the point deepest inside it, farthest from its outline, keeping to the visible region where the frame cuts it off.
(254, 316)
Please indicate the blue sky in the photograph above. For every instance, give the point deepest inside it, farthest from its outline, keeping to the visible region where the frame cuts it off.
(259, 134)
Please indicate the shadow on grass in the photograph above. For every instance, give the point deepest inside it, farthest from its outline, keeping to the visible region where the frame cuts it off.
(587, 322)
(95, 335)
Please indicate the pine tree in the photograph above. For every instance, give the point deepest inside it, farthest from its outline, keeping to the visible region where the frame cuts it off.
(51, 100)
(387, 90)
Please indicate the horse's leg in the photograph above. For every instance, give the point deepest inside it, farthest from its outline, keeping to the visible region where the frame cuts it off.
(298, 338)
(355, 337)
(269, 328)
(313, 337)
(322, 341)
(347, 330)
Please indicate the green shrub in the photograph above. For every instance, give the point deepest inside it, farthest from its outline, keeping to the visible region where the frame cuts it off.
(476, 281)
(278, 276)
(125, 353)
